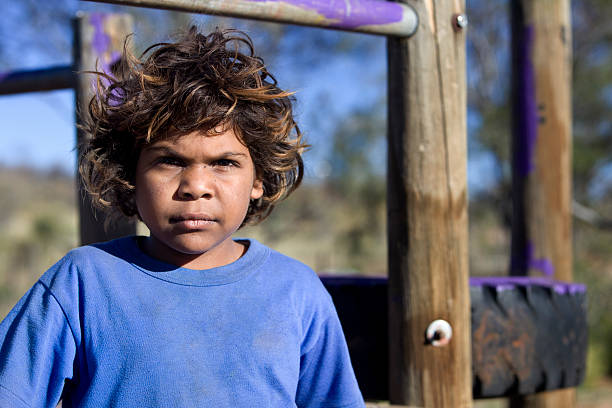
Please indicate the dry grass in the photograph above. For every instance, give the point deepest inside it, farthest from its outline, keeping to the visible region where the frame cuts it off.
(38, 221)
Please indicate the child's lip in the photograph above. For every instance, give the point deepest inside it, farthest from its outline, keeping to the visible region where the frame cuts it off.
(193, 218)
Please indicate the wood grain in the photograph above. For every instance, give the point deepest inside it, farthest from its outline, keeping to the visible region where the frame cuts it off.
(427, 210)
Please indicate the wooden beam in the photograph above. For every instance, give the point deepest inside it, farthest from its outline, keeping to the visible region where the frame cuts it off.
(48, 79)
(98, 44)
(427, 209)
(542, 238)
(365, 16)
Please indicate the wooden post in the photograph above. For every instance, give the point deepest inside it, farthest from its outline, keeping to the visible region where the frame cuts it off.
(427, 209)
(98, 43)
(541, 236)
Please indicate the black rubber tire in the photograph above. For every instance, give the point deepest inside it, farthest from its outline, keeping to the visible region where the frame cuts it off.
(361, 304)
(528, 335)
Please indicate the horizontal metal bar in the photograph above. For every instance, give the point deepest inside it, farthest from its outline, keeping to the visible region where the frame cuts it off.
(365, 16)
(48, 79)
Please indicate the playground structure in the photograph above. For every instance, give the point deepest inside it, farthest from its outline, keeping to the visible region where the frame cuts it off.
(427, 195)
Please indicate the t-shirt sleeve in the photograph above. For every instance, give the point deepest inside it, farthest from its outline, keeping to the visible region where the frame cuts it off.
(326, 374)
(37, 351)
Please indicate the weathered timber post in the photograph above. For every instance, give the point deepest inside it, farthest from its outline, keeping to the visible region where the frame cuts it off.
(541, 228)
(98, 44)
(427, 209)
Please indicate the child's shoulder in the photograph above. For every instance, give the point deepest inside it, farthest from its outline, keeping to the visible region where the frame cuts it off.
(86, 259)
(88, 255)
(290, 277)
(291, 267)
(289, 263)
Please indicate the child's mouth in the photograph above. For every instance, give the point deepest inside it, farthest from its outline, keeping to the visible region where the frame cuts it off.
(193, 221)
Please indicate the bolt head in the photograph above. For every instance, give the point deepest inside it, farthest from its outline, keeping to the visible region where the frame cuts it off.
(439, 333)
(461, 21)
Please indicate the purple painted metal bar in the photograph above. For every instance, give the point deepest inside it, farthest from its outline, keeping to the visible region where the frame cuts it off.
(48, 79)
(349, 14)
(366, 16)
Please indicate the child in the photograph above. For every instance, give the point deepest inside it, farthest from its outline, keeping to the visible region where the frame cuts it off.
(196, 140)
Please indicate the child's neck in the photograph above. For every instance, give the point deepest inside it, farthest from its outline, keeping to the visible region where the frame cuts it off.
(223, 254)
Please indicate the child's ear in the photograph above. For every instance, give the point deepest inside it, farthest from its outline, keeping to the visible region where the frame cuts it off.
(257, 190)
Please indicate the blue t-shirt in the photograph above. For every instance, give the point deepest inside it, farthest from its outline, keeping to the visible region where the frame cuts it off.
(109, 326)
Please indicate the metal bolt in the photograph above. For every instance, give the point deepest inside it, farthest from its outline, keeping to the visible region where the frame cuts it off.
(460, 21)
(439, 333)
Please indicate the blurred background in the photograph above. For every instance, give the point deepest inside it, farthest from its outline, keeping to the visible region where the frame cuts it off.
(336, 221)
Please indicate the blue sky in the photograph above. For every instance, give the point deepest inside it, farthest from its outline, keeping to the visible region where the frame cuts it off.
(38, 129)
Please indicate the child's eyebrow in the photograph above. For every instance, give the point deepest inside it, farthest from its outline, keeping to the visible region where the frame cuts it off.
(162, 149)
(171, 151)
(232, 154)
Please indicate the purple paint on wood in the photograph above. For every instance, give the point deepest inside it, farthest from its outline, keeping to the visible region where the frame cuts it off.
(527, 131)
(541, 264)
(101, 43)
(350, 13)
(510, 282)
(102, 46)
(544, 265)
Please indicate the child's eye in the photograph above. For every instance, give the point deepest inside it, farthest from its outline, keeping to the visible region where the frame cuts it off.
(169, 161)
(225, 163)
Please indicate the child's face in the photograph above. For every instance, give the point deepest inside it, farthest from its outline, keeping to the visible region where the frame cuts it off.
(193, 193)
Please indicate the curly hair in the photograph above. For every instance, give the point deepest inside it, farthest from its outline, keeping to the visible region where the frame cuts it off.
(198, 83)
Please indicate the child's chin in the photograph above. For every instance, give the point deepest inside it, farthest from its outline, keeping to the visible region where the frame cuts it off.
(191, 244)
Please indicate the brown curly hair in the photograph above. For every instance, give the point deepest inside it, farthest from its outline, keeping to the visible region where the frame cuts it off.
(198, 83)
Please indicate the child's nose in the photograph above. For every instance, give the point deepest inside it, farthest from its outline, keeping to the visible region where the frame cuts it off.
(196, 182)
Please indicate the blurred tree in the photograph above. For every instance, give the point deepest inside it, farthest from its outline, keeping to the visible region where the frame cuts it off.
(592, 99)
(358, 163)
(488, 42)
